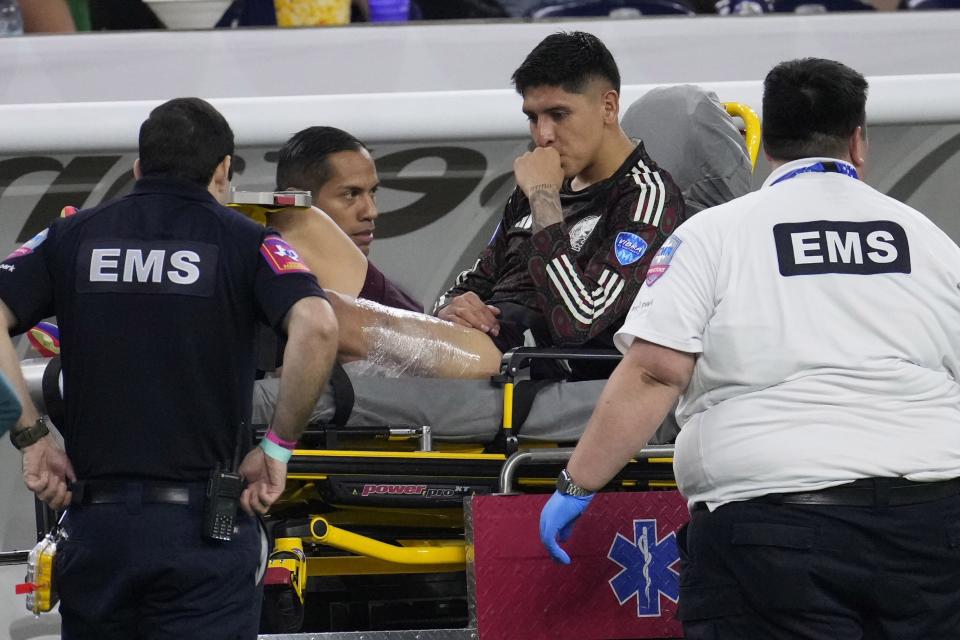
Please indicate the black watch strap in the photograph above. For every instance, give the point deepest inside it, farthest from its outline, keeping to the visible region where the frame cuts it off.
(566, 486)
(28, 435)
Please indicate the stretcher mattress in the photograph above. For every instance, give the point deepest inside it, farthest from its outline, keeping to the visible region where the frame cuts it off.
(456, 410)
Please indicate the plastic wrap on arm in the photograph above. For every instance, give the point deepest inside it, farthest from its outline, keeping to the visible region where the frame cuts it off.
(404, 343)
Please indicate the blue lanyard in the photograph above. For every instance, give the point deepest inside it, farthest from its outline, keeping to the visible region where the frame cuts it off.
(821, 167)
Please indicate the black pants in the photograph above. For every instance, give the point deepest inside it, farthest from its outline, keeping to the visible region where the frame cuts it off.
(143, 571)
(754, 570)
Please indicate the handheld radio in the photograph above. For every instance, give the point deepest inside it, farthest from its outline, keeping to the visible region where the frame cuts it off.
(223, 498)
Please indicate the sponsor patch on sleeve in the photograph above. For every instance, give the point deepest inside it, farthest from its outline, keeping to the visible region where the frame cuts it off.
(29, 246)
(281, 257)
(661, 261)
(629, 247)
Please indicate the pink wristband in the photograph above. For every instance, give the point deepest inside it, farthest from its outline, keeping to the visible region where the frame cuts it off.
(277, 440)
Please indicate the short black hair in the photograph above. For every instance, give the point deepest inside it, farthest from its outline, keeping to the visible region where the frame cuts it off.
(302, 162)
(184, 138)
(811, 107)
(569, 60)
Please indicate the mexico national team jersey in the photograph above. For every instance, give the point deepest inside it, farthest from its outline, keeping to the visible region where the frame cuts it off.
(826, 321)
(154, 292)
(572, 283)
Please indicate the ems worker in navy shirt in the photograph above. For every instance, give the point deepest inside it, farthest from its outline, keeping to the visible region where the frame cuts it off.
(811, 330)
(157, 295)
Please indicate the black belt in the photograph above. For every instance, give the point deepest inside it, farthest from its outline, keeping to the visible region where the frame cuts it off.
(142, 493)
(871, 492)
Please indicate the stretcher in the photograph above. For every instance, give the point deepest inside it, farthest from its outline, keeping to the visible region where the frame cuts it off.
(371, 533)
(377, 511)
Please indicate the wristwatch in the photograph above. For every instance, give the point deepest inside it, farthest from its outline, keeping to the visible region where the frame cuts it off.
(28, 435)
(566, 486)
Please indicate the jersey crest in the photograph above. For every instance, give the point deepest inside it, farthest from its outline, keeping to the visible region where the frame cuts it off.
(29, 246)
(629, 247)
(581, 231)
(661, 261)
(281, 257)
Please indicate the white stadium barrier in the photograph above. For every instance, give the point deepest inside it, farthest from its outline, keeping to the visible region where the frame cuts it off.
(413, 117)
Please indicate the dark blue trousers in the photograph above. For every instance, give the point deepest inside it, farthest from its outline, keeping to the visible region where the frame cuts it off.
(755, 570)
(143, 571)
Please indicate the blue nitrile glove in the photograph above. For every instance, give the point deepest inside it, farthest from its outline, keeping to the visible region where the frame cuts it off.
(556, 522)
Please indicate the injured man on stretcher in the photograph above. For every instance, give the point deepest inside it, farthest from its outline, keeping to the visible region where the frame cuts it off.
(564, 265)
(590, 211)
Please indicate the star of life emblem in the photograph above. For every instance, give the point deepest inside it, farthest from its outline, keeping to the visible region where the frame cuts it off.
(646, 568)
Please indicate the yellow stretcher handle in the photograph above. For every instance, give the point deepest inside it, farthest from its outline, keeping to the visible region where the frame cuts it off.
(440, 553)
(751, 124)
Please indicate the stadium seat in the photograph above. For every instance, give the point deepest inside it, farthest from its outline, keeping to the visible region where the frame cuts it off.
(611, 8)
(755, 7)
(921, 5)
(819, 6)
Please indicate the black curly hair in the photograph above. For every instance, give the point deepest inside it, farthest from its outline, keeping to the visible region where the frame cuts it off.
(569, 60)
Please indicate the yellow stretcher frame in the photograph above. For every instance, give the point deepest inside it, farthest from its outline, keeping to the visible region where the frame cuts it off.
(370, 556)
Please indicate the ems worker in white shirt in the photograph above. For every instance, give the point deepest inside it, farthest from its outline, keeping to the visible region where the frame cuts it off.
(812, 331)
